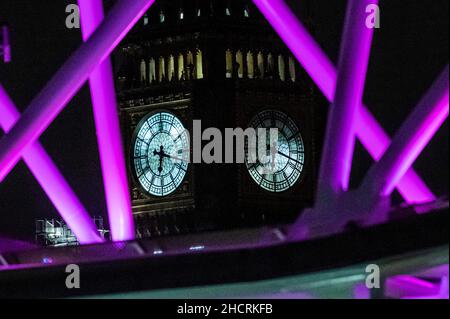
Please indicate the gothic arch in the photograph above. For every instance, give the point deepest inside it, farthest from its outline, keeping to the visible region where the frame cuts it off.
(292, 73)
(152, 70)
(171, 68)
(270, 64)
(181, 73)
(250, 65)
(281, 68)
(240, 64)
(161, 69)
(199, 64)
(190, 66)
(229, 64)
(261, 69)
(143, 72)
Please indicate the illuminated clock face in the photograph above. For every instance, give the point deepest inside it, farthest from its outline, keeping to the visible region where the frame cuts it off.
(281, 166)
(160, 153)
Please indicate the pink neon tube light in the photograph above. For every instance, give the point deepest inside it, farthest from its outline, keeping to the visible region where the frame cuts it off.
(411, 139)
(324, 74)
(51, 180)
(108, 132)
(68, 80)
(340, 138)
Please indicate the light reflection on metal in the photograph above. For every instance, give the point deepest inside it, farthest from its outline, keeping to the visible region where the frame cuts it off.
(197, 248)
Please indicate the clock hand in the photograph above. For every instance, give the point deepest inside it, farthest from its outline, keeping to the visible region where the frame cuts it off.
(174, 157)
(161, 157)
(288, 157)
(160, 168)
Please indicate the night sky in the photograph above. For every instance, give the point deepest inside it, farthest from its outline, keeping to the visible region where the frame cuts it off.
(410, 50)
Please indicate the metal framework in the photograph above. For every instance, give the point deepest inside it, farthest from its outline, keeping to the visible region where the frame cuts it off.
(343, 87)
(56, 233)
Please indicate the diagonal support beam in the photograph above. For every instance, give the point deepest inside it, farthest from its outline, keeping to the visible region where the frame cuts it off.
(411, 139)
(324, 74)
(411, 287)
(340, 136)
(68, 80)
(51, 180)
(108, 132)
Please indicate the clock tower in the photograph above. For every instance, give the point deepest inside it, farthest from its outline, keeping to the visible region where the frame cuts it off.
(219, 62)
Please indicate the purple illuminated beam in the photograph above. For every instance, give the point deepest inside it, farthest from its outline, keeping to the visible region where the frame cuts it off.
(51, 180)
(5, 46)
(68, 80)
(340, 137)
(324, 74)
(411, 139)
(409, 287)
(108, 132)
